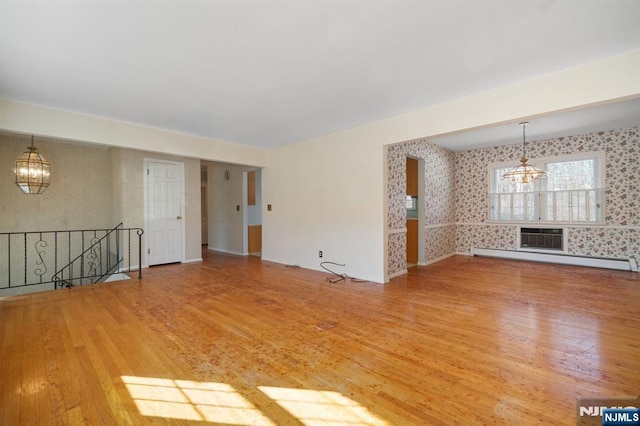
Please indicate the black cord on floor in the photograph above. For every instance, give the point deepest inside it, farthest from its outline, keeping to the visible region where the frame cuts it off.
(340, 277)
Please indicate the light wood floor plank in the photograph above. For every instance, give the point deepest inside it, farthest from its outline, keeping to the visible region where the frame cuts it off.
(463, 341)
(11, 362)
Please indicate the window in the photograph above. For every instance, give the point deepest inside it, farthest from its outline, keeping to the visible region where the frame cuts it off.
(411, 202)
(572, 193)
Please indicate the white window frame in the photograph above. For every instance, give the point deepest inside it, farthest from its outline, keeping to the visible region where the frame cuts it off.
(537, 187)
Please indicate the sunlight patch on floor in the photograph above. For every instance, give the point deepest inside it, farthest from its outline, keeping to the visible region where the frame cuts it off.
(221, 403)
(313, 407)
(188, 400)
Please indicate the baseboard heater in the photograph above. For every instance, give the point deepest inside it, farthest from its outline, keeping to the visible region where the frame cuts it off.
(563, 259)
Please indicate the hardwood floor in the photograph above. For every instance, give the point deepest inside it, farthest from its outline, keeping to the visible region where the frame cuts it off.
(236, 340)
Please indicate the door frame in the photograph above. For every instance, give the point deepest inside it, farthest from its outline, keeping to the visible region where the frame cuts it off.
(145, 207)
(246, 207)
(204, 204)
(422, 199)
(422, 249)
(245, 220)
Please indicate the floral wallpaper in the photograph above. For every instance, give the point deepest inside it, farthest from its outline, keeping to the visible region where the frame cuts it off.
(621, 148)
(397, 253)
(501, 237)
(439, 200)
(602, 242)
(618, 240)
(440, 242)
(456, 197)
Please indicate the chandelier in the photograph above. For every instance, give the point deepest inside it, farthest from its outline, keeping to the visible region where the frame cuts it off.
(524, 173)
(32, 171)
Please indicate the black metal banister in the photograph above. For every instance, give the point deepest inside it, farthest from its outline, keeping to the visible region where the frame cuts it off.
(88, 256)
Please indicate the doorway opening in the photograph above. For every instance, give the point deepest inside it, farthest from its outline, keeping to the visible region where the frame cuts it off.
(254, 213)
(203, 206)
(415, 205)
(231, 208)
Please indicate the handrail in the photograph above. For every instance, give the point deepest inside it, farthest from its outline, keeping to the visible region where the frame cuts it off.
(26, 257)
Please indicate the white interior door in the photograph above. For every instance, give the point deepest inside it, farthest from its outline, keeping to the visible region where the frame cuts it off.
(164, 211)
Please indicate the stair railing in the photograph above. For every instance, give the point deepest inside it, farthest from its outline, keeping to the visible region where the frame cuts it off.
(27, 258)
(99, 260)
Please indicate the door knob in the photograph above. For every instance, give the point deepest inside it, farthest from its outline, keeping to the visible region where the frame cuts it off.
(179, 217)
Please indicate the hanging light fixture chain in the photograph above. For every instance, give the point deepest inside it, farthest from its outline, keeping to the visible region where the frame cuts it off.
(524, 139)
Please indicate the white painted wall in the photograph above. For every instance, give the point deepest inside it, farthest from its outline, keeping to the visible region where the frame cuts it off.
(327, 194)
(31, 119)
(225, 221)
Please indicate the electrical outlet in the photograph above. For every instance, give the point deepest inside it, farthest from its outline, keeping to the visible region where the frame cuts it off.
(320, 253)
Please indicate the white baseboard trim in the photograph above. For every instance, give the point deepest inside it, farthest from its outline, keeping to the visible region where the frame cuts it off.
(199, 259)
(132, 268)
(438, 259)
(397, 274)
(551, 224)
(464, 253)
(28, 289)
(226, 251)
(563, 259)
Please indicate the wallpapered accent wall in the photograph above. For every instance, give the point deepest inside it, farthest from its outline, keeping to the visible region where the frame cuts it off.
(439, 201)
(456, 197)
(617, 239)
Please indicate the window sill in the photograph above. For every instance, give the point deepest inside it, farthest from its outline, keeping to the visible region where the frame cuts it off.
(540, 224)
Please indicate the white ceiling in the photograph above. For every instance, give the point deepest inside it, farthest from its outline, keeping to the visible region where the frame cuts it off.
(618, 115)
(271, 72)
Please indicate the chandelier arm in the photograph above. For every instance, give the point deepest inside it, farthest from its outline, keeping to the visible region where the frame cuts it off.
(524, 173)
